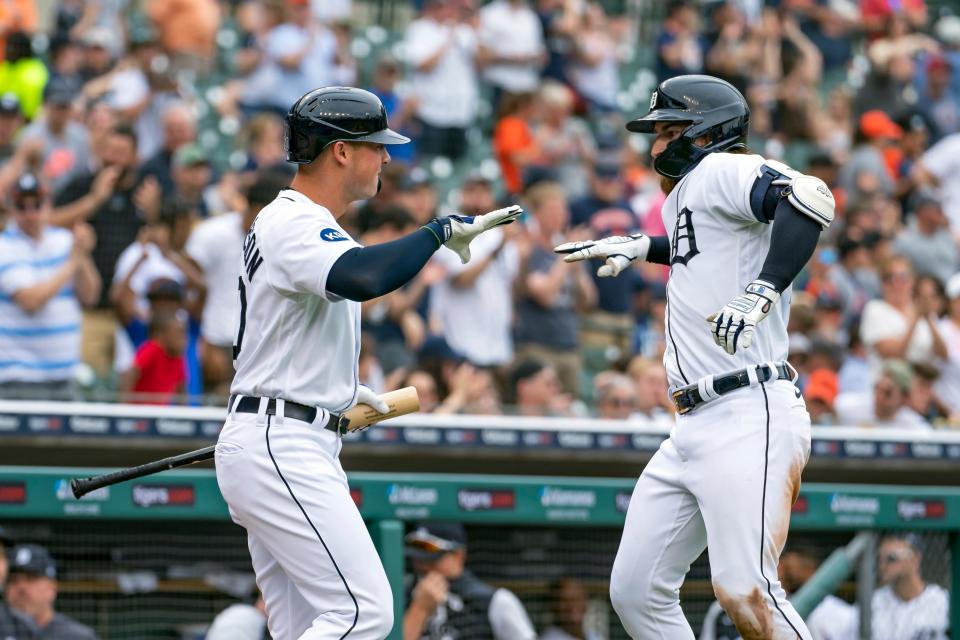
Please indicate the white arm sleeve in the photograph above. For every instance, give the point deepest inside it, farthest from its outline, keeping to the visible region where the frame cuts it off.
(508, 618)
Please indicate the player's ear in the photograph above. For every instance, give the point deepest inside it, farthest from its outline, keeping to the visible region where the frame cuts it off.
(340, 151)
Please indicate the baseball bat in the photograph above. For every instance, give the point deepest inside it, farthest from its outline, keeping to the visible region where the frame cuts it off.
(400, 402)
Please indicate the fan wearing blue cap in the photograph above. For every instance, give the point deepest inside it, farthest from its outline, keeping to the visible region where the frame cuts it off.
(447, 600)
(32, 589)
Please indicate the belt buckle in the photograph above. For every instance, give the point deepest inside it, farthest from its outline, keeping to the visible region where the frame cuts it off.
(676, 395)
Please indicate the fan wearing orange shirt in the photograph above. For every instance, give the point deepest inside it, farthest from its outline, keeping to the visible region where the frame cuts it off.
(514, 144)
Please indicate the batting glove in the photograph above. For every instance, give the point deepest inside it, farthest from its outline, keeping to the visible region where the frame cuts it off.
(367, 396)
(619, 252)
(733, 325)
(457, 231)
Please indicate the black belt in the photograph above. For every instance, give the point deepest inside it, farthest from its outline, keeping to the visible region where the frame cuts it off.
(688, 398)
(295, 410)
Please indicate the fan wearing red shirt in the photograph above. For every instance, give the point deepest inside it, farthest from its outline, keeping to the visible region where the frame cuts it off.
(159, 368)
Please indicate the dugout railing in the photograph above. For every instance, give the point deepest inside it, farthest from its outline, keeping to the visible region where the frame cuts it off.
(37, 502)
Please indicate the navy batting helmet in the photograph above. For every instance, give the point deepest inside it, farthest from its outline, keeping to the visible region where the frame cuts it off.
(330, 114)
(713, 107)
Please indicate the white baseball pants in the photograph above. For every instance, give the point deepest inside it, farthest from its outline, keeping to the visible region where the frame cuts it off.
(725, 479)
(316, 566)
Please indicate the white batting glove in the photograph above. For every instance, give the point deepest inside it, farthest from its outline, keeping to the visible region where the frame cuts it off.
(733, 325)
(367, 396)
(619, 251)
(457, 231)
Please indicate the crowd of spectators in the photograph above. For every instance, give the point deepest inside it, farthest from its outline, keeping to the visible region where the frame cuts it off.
(125, 216)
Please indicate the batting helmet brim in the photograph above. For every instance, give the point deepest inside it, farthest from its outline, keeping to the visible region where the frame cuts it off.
(647, 123)
(384, 136)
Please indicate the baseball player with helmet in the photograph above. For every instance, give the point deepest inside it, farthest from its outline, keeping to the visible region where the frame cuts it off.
(296, 355)
(740, 228)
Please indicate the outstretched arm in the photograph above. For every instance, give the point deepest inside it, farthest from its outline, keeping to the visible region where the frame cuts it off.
(619, 251)
(364, 273)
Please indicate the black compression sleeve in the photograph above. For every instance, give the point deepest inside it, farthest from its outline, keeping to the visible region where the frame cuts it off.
(659, 252)
(364, 273)
(794, 239)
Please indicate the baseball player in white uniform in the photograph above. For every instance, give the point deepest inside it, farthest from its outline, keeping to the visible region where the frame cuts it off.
(739, 228)
(296, 356)
(906, 607)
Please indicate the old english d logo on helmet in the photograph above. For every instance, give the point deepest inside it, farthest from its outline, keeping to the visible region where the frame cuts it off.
(713, 108)
(329, 114)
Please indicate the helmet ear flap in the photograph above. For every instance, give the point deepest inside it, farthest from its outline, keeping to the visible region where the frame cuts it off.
(716, 109)
(304, 143)
(297, 144)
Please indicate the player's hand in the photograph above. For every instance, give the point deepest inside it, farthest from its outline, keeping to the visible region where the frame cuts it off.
(367, 396)
(457, 231)
(430, 591)
(619, 252)
(733, 325)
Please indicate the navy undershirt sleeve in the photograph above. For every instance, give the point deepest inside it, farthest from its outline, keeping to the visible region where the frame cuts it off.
(364, 273)
(793, 241)
(659, 252)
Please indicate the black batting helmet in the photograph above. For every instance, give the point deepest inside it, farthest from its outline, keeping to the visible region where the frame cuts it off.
(330, 114)
(713, 107)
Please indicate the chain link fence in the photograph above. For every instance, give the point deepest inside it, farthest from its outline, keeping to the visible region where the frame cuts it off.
(148, 580)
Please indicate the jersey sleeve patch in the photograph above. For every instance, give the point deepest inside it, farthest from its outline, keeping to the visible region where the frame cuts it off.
(332, 235)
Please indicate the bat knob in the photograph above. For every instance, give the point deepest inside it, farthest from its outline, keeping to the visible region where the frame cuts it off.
(77, 488)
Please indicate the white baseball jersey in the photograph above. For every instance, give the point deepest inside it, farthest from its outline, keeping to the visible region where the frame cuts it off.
(717, 248)
(923, 618)
(295, 340)
(833, 619)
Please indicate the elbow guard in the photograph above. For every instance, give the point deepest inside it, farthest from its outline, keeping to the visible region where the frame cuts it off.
(808, 195)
